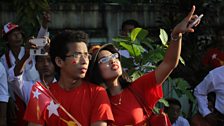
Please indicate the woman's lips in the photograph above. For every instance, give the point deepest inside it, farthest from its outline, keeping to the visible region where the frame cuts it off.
(83, 70)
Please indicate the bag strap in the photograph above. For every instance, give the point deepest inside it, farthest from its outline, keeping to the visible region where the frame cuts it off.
(142, 102)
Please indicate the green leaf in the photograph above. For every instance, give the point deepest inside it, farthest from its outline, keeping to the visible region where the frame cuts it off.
(163, 37)
(134, 50)
(136, 75)
(142, 34)
(134, 33)
(182, 60)
(164, 102)
(120, 39)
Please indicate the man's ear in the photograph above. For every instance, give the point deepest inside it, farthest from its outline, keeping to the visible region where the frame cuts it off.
(59, 62)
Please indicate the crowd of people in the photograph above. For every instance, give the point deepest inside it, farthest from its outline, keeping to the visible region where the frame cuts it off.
(74, 86)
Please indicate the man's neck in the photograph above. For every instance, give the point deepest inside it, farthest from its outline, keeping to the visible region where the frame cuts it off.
(15, 50)
(68, 83)
(47, 79)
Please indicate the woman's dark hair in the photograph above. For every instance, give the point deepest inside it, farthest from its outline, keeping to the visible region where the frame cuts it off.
(59, 44)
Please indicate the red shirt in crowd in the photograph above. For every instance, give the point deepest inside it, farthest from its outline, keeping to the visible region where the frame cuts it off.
(87, 103)
(125, 107)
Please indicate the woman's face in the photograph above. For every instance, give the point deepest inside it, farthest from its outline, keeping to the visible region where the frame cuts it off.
(109, 65)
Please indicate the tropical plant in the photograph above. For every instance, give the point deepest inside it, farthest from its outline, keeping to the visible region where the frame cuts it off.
(28, 14)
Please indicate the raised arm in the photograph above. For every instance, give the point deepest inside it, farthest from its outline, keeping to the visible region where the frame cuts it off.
(43, 32)
(172, 55)
(19, 67)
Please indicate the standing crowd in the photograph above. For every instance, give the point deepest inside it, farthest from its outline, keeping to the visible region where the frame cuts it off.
(64, 86)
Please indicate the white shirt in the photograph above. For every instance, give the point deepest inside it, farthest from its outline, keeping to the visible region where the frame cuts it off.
(213, 82)
(29, 73)
(181, 122)
(23, 88)
(4, 95)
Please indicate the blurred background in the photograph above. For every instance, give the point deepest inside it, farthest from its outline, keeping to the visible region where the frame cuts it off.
(102, 20)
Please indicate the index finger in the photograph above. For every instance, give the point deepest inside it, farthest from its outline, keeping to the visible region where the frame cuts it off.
(190, 13)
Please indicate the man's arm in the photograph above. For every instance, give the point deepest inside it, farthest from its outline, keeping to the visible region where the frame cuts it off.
(43, 32)
(99, 123)
(201, 92)
(33, 124)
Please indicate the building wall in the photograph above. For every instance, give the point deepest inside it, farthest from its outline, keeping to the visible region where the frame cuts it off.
(101, 21)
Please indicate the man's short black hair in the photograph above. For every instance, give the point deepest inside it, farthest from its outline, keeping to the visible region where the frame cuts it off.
(130, 22)
(172, 101)
(58, 45)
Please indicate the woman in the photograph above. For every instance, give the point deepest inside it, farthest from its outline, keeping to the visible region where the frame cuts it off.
(106, 68)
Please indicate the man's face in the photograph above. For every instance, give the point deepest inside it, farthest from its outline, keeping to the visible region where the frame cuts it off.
(127, 29)
(15, 38)
(173, 112)
(44, 66)
(76, 62)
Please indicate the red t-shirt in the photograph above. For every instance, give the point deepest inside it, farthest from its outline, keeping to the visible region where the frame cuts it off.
(125, 107)
(87, 103)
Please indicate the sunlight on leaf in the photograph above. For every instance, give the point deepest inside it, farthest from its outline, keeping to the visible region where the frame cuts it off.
(163, 37)
(134, 33)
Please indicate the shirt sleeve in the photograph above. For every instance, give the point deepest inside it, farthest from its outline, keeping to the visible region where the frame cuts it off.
(201, 92)
(147, 87)
(4, 94)
(185, 122)
(101, 109)
(42, 32)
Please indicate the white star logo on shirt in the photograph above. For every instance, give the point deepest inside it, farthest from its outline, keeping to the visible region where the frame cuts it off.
(52, 108)
(36, 94)
(214, 56)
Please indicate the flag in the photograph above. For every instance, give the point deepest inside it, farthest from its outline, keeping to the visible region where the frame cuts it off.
(42, 105)
(39, 99)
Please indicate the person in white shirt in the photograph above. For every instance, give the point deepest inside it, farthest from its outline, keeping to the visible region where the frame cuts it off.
(213, 82)
(17, 60)
(46, 72)
(174, 111)
(4, 96)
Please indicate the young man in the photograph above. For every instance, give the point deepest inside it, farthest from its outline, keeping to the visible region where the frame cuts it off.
(46, 72)
(71, 100)
(174, 111)
(213, 82)
(17, 60)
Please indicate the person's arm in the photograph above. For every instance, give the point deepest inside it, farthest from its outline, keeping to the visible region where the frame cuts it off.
(19, 67)
(33, 124)
(201, 92)
(99, 123)
(43, 32)
(172, 55)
